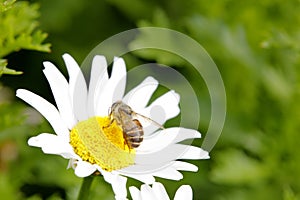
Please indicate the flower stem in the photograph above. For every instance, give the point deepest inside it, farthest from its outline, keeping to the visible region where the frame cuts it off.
(85, 187)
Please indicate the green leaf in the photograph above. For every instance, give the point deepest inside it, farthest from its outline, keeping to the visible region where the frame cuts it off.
(19, 20)
(5, 5)
(5, 70)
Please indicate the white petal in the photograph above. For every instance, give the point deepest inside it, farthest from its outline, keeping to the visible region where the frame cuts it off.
(160, 191)
(171, 153)
(119, 187)
(139, 169)
(52, 144)
(169, 173)
(192, 152)
(184, 192)
(98, 79)
(184, 166)
(135, 193)
(46, 109)
(60, 89)
(146, 193)
(77, 88)
(117, 182)
(113, 89)
(72, 163)
(120, 198)
(138, 97)
(143, 177)
(161, 110)
(118, 75)
(84, 169)
(165, 137)
(151, 168)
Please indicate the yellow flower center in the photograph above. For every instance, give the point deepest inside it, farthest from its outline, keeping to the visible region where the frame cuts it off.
(98, 141)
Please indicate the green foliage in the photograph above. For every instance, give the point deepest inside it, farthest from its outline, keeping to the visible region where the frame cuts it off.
(4, 70)
(18, 25)
(22, 168)
(256, 47)
(5, 5)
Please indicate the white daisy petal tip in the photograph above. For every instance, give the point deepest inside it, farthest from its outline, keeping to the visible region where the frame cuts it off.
(176, 95)
(34, 142)
(66, 56)
(119, 62)
(195, 153)
(169, 173)
(184, 192)
(160, 190)
(47, 64)
(41, 140)
(197, 134)
(151, 80)
(19, 92)
(116, 58)
(157, 192)
(70, 61)
(194, 134)
(99, 60)
(204, 155)
(135, 193)
(184, 166)
(84, 169)
(192, 169)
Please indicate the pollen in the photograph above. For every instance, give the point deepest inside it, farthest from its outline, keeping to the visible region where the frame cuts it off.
(100, 141)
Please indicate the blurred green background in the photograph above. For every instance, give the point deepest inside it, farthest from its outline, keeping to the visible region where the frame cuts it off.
(254, 44)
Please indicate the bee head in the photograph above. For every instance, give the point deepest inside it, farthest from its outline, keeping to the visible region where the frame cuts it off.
(119, 106)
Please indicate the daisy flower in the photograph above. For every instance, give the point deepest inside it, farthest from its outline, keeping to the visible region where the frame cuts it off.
(89, 136)
(158, 192)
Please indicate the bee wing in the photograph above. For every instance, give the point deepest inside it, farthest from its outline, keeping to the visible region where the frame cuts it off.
(147, 120)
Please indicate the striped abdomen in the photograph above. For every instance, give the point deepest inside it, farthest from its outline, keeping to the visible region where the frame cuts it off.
(133, 133)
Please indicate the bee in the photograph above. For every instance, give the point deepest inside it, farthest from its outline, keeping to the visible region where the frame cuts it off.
(125, 117)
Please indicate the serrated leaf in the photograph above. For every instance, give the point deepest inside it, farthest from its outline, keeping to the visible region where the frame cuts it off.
(9, 71)
(5, 70)
(19, 20)
(5, 5)
(20, 23)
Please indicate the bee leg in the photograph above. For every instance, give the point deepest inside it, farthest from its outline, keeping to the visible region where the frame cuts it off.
(110, 123)
(126, 143)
